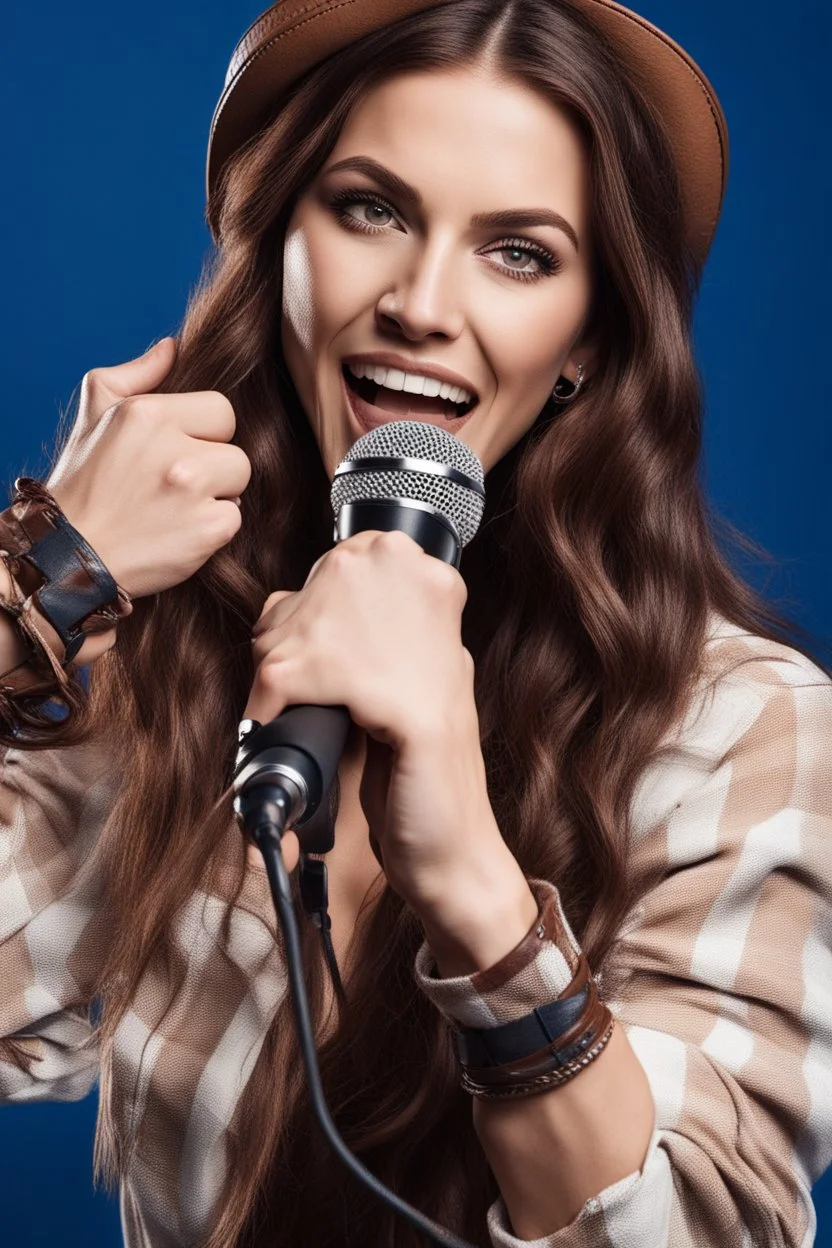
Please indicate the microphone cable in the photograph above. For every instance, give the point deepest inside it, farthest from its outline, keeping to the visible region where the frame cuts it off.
(263, 812)
(314, 896)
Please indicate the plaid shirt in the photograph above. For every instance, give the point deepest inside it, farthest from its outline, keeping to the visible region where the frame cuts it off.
(722, 978)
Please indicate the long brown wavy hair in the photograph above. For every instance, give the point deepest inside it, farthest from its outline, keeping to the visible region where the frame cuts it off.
(590, 582)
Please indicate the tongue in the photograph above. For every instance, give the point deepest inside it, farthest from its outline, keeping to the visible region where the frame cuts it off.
(405, 404)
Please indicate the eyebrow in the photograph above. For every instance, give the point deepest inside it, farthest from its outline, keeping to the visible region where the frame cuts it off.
(507, 218)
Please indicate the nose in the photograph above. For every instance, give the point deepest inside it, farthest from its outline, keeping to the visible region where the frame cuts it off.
(426, 302)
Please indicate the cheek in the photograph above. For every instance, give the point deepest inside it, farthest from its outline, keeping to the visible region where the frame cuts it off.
(299, 311)
(326, 284)
(531, 343)
(530, 335)
(525, 351)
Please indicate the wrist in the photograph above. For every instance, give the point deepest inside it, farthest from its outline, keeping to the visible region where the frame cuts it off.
(59, 577)
(14, 648)
(481, 920)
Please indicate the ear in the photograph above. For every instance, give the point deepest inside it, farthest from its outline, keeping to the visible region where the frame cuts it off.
(586, 350)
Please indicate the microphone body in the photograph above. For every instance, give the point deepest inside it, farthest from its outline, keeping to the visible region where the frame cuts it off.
(374, 488)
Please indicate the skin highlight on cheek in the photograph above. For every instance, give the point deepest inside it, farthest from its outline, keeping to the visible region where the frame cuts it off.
(298, 291)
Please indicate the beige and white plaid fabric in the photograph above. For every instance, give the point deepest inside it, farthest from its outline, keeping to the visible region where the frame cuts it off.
(517, 984)
(723, 980)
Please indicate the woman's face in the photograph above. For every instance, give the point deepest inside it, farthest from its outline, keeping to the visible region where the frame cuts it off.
(410, 278)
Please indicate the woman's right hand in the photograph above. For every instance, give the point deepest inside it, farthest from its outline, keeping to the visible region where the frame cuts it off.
(151, 480)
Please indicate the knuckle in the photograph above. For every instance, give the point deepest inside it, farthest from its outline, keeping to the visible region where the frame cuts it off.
(96, 400)
(446, 579)
(271, 674)
(340, 557)
(181, 475)
(93, 380)
(141, 412)
(396, 541)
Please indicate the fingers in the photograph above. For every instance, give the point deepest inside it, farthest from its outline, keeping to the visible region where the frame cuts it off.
(204, 414)
(224, 522)
(268, 616)
(208, 469)
(153, 480)
(277, 610)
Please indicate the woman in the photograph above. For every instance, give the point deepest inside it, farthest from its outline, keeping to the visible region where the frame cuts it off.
(628, 746)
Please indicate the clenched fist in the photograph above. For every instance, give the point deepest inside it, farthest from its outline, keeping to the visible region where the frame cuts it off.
(150, 480)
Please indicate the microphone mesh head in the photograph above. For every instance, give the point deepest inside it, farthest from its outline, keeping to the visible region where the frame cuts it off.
(414, 439)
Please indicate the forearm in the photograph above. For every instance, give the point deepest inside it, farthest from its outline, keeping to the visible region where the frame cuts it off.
(553, 1151)
(550, 1153)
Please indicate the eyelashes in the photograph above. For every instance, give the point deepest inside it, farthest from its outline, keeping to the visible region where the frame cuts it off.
(548, 262)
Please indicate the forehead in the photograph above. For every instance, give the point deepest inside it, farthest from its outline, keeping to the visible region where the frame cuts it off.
(469, 129)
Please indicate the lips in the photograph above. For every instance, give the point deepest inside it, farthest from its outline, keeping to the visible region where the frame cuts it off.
(369, 415)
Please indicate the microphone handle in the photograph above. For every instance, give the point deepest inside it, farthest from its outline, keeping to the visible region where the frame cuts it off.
(301, 748)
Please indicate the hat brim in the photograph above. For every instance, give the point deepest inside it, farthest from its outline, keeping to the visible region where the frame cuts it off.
(284, 42)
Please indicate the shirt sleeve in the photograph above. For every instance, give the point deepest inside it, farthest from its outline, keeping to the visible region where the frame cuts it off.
(722, 977)
(53, 804)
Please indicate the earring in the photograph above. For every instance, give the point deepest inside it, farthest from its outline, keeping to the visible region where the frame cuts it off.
(576, 385)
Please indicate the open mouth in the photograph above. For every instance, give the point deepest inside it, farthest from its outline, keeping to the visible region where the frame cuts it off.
(375, 402)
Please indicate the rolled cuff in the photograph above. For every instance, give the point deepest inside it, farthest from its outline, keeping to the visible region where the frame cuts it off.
(537, 971)
(633, 1210)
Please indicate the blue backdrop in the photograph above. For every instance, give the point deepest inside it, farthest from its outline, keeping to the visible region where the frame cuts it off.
(106, 114)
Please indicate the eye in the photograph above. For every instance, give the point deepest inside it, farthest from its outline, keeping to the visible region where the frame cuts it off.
(342, 199)
(547, 262)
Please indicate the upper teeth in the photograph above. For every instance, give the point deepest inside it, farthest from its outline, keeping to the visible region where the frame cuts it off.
(414, 383)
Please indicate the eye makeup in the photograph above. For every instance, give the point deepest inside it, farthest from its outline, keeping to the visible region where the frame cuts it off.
(547, 261)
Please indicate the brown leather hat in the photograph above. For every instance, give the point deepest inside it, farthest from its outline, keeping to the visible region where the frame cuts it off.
(293, 35)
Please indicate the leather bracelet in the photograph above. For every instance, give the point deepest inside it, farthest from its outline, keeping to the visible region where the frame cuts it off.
(58, 573)
(523, 1070)
(39, 673)
(579, 1036)
(541, 1082)
(495, 1046)
(529, 1043)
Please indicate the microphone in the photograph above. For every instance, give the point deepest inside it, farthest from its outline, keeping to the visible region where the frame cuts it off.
(404, 475)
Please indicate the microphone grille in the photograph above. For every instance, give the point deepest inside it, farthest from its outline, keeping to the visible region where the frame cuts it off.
(460, 502)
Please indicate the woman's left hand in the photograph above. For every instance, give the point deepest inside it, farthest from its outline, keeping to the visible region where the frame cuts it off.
(377, 628)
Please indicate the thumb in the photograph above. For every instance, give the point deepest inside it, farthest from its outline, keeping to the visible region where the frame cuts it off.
(143, 374)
